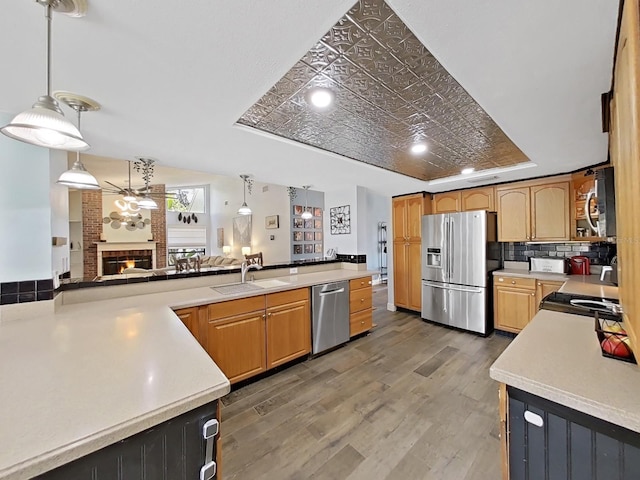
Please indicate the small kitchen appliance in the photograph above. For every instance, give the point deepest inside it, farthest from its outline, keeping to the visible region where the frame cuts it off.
(547, 264)
(579, 265)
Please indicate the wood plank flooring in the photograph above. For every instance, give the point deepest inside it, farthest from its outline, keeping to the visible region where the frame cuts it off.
(411, 400)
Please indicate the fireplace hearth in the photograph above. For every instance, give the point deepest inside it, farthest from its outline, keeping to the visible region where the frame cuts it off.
(114, 262)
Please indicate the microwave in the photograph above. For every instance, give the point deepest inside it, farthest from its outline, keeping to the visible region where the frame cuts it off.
(605, 224)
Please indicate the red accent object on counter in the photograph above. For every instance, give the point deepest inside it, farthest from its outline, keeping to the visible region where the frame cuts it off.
(579, 265)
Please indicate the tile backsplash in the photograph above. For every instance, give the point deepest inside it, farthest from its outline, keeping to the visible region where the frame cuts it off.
(598, 253)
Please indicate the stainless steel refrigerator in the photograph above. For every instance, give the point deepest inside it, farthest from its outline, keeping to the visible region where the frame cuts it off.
(459, 252)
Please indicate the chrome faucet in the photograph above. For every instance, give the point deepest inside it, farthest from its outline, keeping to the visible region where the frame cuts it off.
(245, 267)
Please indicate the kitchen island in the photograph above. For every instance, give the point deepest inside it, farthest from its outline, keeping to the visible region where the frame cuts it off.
(557, 358)
(94, 373)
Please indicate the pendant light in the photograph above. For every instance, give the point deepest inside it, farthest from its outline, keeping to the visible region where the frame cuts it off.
(78, 176)
(244, 208)
(307, 215)
(44, 124)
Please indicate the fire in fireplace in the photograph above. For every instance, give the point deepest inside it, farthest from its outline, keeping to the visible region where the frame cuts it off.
(116, 261)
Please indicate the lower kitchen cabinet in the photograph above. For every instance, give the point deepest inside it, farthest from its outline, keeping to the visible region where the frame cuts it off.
(191, 319)
(544, 440)
(252, 335)
(174, 449)
(514, 302)
(288, 326)
(544, 288)
(360, 306)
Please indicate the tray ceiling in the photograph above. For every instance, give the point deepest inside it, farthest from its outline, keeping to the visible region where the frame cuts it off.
(390, 93)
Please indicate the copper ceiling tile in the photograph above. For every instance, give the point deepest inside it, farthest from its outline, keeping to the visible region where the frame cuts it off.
(390, 92)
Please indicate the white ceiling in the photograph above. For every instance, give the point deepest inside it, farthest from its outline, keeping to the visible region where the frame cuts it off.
(174, 77)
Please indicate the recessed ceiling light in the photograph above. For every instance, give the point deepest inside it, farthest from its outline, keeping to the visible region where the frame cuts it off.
(467, 171)
(320, 97)
(419, 148)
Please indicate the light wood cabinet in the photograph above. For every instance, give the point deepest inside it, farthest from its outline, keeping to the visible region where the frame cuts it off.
(191, 319)
(249, 336)
(360, 306)
(514, 302)
(288, 326)
(533, 213)
(625, 156)
(544, 288)
(407, 232)
(447, 202)
(478, 199)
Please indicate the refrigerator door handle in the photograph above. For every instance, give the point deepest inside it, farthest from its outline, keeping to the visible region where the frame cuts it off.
(450, 261)
(446, 248)
(452, 287)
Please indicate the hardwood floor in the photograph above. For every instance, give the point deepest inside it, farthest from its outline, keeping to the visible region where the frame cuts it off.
(411, 400)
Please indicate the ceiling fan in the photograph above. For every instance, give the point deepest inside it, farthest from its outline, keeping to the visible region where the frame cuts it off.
(143, 196)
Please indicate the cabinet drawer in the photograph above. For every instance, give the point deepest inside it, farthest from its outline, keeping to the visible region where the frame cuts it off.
(515, 282)
(359, 283)
(360, 322)
(290, 296)
(360, 299)
(235, 307)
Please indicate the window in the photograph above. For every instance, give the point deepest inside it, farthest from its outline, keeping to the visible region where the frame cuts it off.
(187, 199)
(185, 242)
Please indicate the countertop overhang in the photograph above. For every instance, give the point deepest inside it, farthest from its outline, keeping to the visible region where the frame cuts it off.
(94, 373)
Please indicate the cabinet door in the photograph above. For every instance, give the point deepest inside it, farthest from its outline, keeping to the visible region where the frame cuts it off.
(237, 345)
(288, 332)
(514, 308)
(414, 217)
(414, 265)
(544, 288)
(514, 212)
(189, 317)
(478, 199)
(399, 219)
(550, 212)
(400, 275)
(446, 202)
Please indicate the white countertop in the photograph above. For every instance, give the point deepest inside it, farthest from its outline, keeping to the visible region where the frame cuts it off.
(94, 373)
(557, 357)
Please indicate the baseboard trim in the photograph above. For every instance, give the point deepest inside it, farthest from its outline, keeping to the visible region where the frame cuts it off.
(391, 307)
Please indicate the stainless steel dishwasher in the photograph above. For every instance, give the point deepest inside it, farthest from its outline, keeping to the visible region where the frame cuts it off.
(330, 303)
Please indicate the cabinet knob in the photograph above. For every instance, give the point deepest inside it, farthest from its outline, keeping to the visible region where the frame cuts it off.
(513, 282)
(362, 322)
(269, 314)
(539, 284)
(264, 316)
(369, 282)
(362, 299)
(534, 236)
(532, 294)
(361, 283)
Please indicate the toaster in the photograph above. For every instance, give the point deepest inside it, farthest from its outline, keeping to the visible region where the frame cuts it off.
(547, 264)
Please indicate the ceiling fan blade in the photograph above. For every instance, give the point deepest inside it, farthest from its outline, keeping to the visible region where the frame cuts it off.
(113, 185)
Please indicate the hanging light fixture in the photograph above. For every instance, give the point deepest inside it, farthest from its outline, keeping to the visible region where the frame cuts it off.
(307, 215)
(244, 208)
(78, 176)
(148, 203)
(44, 124)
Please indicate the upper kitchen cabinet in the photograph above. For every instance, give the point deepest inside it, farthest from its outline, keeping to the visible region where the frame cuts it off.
(624, 144)
(447, 202)
(581, 184)
(479, 199)
(533, 212)
(407, 218)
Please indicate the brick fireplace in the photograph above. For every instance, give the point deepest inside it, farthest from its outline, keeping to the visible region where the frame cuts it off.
(113, 257)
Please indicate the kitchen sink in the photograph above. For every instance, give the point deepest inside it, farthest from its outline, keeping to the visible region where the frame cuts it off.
(234, 288)
(270, 283)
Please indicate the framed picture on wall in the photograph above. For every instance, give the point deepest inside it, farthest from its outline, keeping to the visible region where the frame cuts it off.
(271, 222)
(308, 248)
(298, 209)
(308, 236)
(297, 249)
(317, 212)
(297, 236)
(318, 236)
(308, 223)
(298, 223)
(317, 224)
(318, 248)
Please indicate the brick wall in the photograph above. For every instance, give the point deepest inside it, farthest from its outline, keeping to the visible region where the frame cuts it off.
(159, 227)
(598, 253)
(91, 230)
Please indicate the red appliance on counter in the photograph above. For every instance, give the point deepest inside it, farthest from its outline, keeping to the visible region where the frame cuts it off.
(579, 265)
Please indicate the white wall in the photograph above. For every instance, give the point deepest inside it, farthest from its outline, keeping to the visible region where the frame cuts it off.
(59, 198)
(345, 243)
(25, 216)
(378, 210)
(275, 201)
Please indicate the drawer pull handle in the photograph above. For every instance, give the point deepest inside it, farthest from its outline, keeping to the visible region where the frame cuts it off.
(533, 418)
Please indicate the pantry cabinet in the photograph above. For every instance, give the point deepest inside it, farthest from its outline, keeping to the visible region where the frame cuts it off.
(407, 231)
(533, 213)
